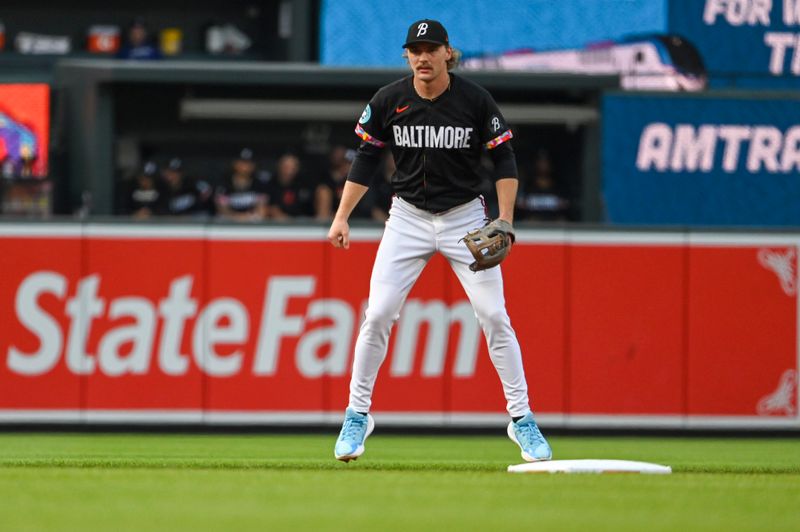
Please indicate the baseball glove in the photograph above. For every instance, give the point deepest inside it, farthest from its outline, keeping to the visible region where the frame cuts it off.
(489, 244)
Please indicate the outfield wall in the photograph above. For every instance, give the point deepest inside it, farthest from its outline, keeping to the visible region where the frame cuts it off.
(255, 325)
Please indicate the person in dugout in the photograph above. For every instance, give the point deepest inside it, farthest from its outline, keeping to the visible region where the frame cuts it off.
(184, 195)
(144, 195)
(243, 196)
(291, 194)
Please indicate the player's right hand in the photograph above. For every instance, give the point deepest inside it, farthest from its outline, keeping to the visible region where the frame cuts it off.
(339, 234)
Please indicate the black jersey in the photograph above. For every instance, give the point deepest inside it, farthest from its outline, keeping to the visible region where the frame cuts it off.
(190, 197)
(295, 198)
(244, 198)
(437, 144)
(144, 195)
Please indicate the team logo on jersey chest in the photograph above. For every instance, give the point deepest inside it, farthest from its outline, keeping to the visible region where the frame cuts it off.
(445, 137)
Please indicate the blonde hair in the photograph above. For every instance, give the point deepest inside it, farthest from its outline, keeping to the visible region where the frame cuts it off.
(455, 58)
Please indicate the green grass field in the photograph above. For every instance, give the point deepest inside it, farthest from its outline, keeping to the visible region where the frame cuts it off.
(278, 482)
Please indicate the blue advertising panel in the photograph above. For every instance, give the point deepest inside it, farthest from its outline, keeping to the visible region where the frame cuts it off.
(698, 160)
(748, 38)
(370, 33)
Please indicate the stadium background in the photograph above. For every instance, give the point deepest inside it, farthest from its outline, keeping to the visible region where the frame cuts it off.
(668, 299)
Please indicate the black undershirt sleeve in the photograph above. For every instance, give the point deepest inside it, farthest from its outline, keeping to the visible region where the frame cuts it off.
(365, 165)
(505, 164)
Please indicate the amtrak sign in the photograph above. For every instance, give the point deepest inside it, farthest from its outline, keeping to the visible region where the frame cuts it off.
(701, 160)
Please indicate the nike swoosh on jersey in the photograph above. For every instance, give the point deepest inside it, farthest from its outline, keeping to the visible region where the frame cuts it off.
(400, 109)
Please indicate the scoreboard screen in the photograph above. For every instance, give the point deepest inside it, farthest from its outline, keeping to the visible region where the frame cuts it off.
(24, 130)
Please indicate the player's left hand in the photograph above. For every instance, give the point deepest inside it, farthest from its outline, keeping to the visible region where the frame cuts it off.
(490, 244)
(504, 226)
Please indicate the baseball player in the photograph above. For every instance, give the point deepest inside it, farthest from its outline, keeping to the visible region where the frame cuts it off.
(437, 126)
(243, 195)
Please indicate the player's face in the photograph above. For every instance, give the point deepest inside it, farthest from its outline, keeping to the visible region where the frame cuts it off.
(428, 61)
(172, 177)
(244, 167)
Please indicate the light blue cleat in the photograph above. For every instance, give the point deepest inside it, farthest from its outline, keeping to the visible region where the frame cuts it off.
(356, 428)
(527, 435)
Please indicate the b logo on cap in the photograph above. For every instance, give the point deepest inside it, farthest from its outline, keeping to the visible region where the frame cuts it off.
(422, 29)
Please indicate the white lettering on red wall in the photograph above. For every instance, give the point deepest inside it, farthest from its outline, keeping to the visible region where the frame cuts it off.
(222, 321)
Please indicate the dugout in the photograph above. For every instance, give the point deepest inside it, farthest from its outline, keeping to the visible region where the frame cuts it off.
(117, 113)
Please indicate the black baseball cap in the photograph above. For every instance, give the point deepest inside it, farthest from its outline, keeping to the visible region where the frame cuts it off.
(149, 168)
(175, 164)
(427, 30)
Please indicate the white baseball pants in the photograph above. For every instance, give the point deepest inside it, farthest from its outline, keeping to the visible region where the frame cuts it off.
(411, 238)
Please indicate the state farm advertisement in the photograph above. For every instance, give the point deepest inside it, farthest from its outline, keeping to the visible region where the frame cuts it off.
(123, 324)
